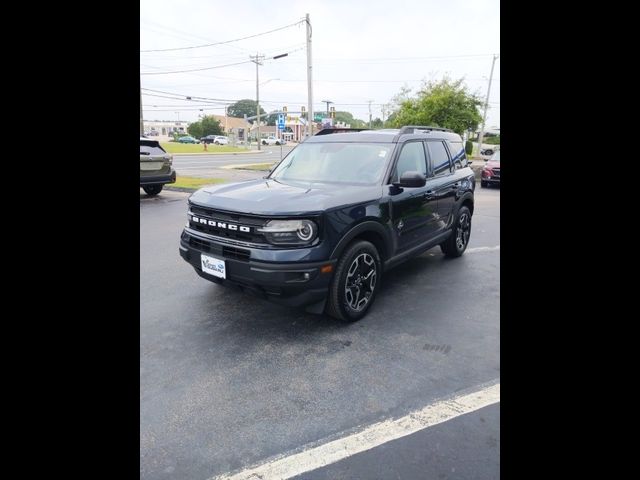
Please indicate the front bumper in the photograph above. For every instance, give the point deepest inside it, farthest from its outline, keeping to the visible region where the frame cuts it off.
(158, 179)
(295, 284)
(491, 179)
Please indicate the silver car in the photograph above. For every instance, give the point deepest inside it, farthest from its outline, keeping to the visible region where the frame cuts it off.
(156, 167)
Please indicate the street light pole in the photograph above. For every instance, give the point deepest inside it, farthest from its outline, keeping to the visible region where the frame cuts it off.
(257, 59)
(327, 102)
(486, 104)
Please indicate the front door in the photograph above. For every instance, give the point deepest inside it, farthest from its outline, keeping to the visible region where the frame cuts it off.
(414, 210)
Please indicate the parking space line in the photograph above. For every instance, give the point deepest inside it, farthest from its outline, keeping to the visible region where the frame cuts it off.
(482, 249)
(316, 456)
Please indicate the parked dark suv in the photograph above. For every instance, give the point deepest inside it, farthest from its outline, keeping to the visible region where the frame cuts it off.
(155, 166)
(336, 212)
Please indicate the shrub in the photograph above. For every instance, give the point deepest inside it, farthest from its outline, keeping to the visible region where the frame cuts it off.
(468, 147)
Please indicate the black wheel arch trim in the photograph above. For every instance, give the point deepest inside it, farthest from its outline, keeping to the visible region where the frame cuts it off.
(463, 198)
(363, 227)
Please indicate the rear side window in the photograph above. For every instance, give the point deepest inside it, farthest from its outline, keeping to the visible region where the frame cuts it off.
(151, 147)
(458, 156)
(411, 159)
(439, 158)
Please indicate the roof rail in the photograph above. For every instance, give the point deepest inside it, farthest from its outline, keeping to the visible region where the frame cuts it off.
(328, 131)
(413, 128)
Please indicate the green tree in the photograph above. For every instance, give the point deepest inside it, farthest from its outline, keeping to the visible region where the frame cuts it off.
(377, 123)
(207, 125)
(271, 118)
(347, 117)
(447, 103)
(244, 107)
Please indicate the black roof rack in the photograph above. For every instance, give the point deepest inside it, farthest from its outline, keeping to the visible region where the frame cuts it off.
(413, 128)
(328, 131)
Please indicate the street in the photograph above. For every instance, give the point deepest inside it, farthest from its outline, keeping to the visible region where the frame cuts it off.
(228, 381)
(203, 165)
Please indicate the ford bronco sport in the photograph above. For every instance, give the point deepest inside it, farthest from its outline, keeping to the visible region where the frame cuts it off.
(337, 212)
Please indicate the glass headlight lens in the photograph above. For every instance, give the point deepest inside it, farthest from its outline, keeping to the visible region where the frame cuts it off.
(290, 232)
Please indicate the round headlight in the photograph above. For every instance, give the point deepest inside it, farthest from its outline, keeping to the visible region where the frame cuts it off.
(306, 231)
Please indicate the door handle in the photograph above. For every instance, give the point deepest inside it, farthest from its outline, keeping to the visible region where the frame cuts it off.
(428, 194)
(455, 186)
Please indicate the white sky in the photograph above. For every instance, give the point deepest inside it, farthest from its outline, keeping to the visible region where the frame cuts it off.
(362, 50)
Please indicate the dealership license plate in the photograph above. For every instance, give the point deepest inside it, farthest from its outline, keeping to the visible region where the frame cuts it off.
(150, 165)
(213, 266)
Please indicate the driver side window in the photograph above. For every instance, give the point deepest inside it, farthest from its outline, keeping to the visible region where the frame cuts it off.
(412, 158)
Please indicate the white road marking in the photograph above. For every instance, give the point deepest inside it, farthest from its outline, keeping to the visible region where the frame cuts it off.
(316, 456)
(482, 249)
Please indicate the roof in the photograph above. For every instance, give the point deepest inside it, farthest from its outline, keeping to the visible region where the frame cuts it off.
(387, 135)
(232, 122)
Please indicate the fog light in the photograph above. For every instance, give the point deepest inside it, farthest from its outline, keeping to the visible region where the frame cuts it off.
(306, 276)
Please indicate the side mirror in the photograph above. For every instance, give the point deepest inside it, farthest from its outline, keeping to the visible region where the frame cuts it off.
(411, 179)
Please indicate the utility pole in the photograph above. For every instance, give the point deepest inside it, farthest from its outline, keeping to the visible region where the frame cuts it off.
(309, 80)
(384, 111)
(258, 61)
(486, 105)
(141, 121)
(370, 126)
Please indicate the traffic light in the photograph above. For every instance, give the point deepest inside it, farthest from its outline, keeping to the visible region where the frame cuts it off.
(284, 109)
(333, 112)
(303, 110)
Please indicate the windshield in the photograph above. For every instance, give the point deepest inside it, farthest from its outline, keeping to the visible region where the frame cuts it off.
(350, 163)
(496, 157)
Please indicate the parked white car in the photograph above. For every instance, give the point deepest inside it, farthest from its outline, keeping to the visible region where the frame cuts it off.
(220, 140)
(272, 140)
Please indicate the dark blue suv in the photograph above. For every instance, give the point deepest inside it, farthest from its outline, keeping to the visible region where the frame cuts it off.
(339, 210)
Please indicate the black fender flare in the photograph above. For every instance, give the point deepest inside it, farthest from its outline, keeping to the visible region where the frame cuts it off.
(366, 226)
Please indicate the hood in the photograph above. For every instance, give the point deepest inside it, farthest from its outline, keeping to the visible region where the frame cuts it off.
(271, 197)
(491, 164)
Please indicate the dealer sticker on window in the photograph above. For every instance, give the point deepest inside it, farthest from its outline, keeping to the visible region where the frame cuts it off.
(213, 266)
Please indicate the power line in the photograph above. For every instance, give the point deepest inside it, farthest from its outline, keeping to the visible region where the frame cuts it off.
(222, 43)
(207, 68)
(196, 69)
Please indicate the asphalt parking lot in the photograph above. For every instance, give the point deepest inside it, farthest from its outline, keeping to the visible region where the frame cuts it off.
(228, 380)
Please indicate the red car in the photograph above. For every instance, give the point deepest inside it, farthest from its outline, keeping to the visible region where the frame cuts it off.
(491, 172)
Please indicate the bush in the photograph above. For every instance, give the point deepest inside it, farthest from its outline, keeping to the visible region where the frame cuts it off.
(468, 147)
(492, 140)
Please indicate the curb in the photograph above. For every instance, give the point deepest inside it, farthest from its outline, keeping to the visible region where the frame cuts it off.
(239, 166)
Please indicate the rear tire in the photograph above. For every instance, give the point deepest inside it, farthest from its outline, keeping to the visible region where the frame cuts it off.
(456, 244)
(152, 190)
(355, 283)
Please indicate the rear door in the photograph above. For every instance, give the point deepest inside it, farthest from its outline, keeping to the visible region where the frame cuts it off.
(443, 184)
(154, 160)
(414, 209)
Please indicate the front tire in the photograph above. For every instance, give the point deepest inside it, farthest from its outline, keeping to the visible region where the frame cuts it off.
(355, 282)
(456, 244)
(152, 190)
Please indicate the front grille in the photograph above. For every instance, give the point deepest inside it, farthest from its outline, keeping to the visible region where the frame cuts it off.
(237, 253)
(252, 222)
(496, 172)
(226, 252)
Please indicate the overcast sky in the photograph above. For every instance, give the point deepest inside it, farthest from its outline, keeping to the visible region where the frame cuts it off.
(362, 50)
